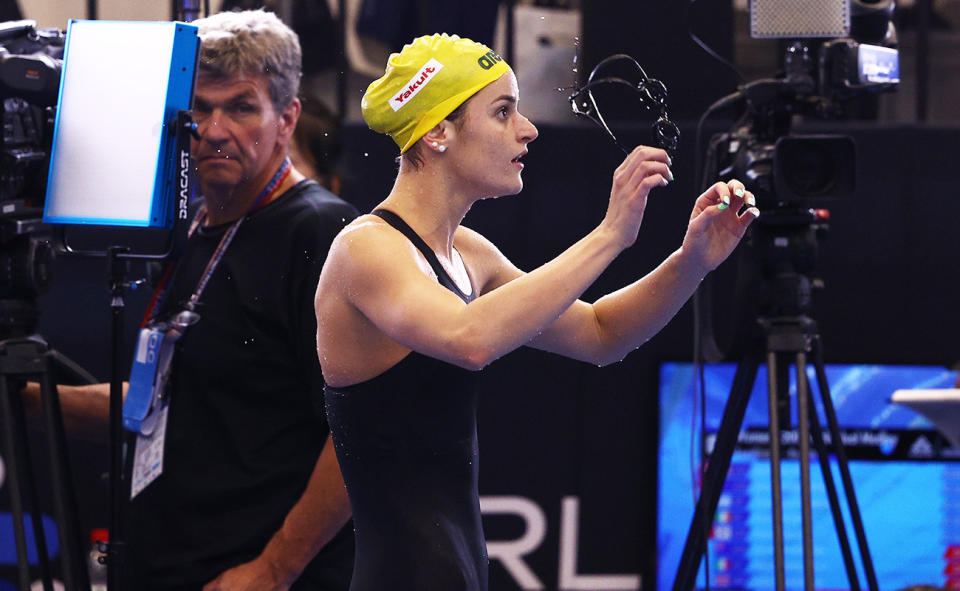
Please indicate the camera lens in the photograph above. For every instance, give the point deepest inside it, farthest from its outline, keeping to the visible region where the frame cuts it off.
(811, 170)
(814, 167)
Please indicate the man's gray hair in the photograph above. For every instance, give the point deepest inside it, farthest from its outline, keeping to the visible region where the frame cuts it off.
(251, 43)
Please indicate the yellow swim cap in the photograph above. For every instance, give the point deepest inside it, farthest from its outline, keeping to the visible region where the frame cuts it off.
(425, 82)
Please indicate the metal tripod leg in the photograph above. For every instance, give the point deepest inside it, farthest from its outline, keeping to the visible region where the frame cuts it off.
(726, 440)
(31, 357)
(796, 337)
(22, 487)
(841, 454)
(73, 570)
(831, 487)
(803, 420)
(773, 405)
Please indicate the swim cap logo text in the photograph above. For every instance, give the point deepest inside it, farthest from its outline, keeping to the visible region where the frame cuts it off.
(416, 84)
(488, 59)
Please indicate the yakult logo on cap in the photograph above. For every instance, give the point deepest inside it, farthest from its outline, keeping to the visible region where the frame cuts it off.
(416, 84)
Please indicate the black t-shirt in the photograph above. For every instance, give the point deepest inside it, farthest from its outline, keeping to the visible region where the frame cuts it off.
(246, 420)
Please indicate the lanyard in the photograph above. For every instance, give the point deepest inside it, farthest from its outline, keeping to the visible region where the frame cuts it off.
(265, 197)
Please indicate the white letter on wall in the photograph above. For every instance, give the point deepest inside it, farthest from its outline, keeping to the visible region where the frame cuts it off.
(511, 553)
(569, 579)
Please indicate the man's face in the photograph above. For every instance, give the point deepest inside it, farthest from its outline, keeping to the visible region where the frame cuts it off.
(242, 136)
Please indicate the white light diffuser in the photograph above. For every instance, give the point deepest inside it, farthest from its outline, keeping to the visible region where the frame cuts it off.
(791, 19)
(113, 156)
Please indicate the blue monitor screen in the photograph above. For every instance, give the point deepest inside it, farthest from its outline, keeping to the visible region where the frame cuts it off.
(906, 477)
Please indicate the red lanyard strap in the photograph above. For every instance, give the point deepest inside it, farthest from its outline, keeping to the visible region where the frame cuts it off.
(265, 197)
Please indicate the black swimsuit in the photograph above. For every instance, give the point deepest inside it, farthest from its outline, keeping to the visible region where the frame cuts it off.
(406, 441)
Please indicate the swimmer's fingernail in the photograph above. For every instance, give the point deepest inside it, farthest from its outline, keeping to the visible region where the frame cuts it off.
(738, 192)
(722, 206)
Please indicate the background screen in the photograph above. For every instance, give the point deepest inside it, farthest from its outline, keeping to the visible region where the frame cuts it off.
(906, 477)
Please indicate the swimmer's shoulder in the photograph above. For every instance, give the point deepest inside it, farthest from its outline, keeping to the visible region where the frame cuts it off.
(469, 241)
(365, 230)
(474, 245)
(368, 242)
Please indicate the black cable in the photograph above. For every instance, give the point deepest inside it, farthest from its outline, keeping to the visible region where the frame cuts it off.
(726, 101)
(699, 381)
(707, 48)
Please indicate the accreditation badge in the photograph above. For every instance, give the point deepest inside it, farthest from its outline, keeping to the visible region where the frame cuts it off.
(148, 453)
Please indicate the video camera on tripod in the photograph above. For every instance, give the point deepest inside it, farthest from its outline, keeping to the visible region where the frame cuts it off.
(30, 65)
(792, 177)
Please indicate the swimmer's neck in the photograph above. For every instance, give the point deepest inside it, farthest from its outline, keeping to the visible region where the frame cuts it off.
(432, 202)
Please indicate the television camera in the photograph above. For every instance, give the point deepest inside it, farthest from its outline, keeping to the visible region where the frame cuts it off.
(793, 175)
(30, 63)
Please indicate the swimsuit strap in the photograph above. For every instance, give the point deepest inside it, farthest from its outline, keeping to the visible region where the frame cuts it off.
(442, 276)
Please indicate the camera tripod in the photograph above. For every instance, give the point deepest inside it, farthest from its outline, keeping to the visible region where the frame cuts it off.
(32, 357)
(782, 340)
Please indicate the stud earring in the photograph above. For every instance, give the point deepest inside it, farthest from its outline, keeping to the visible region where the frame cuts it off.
(437, 146)
(442, 149)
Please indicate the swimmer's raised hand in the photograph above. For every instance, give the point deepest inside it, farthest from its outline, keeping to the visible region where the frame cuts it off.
(720, 217)
(644, 169)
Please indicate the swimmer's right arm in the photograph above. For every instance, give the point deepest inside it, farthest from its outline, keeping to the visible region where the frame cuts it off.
(373, 267)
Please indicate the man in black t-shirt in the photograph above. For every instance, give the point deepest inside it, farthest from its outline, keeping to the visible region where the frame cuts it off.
(250, 496)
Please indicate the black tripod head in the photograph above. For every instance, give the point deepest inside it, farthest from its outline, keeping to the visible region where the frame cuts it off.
(785, 247)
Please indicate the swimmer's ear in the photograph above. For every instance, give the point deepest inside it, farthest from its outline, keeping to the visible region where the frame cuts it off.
(443, 134)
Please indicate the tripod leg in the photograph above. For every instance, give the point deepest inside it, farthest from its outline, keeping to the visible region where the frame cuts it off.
(15, 460)
(831, 487)
(73, 569)
(844, 469)
(803, 417)
(716, 474)
(773, 404)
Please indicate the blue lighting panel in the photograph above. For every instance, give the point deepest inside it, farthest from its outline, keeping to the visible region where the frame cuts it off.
(113, 158)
